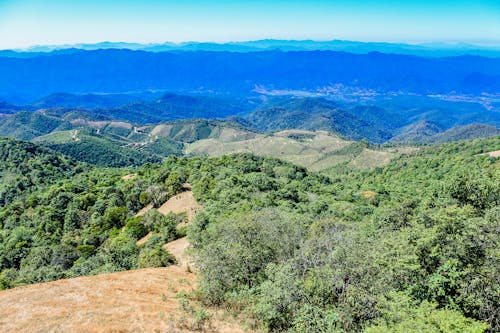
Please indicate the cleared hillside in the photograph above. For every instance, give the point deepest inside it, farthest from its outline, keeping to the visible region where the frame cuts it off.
(317, 150)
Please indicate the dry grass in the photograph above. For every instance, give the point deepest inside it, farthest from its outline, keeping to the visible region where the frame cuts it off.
(143, 300)
(181, 203)
(316, 152)
(128, 301)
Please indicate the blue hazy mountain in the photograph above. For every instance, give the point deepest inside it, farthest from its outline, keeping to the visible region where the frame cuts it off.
(430, 49)
(233, 73)
(91, 101)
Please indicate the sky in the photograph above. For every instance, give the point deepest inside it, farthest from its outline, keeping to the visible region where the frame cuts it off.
(26, 23)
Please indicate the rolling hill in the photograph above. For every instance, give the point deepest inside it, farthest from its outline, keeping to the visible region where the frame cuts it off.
(318, 114)
(428, 132)
(316, 150)
(313, 132)
(399, 119)
(468, 132)
(114, 143)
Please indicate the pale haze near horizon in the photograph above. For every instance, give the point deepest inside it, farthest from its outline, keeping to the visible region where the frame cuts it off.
(25, 23)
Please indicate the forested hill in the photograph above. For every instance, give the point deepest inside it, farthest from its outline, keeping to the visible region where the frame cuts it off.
(412, 246)
(24, 167)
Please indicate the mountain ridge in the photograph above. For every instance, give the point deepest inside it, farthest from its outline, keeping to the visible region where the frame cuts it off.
(118, 71)
(421, 49)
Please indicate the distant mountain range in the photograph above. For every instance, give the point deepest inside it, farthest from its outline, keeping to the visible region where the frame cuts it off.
(422, 49)
(112, 71)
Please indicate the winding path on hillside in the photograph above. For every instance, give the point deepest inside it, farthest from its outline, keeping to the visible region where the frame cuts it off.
(143, 300)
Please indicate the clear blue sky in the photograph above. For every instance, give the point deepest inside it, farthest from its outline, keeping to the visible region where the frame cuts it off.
(30, 22)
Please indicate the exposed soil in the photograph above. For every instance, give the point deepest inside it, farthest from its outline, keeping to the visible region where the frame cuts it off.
(178, 249)
(494, 153)
(142, 300)
(181, 203)
(129, 176)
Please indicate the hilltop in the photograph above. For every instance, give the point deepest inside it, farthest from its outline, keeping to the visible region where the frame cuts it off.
(121, 143)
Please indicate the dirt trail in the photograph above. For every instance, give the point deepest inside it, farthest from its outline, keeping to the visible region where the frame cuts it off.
(178, 249)
(142, 300)
(129, 176)
(181, 203)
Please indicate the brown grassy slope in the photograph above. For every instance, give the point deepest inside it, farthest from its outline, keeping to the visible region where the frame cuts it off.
(315, 150)
(131, 301)
(181, 203)
(142, 300)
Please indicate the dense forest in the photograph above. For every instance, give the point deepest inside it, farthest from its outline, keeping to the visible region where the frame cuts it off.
(409, 247)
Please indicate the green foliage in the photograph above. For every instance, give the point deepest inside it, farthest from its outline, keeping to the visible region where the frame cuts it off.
(412, 246)
(28, 125)
(103, 152)
(237, 249)
(165, 226)
(426, 226)
(135, 227)
(400, 315)
(155, 256)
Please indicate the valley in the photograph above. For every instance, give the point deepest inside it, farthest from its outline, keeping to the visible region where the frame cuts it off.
(261, 186)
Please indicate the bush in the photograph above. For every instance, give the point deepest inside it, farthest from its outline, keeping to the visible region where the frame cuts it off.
(155, 256)
(403, 316)
(135, 227)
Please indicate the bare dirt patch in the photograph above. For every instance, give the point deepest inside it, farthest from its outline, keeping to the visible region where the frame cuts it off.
(181, 203)
(178, 249)
(144, 210)
(494, 153)
(129, 176)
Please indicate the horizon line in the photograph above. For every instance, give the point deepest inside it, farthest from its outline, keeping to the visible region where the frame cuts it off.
(483, 44)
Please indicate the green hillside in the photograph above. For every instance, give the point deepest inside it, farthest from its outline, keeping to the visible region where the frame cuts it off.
(105, 142)
(25, 166)
(317, 114)
(29, 125)
(408, 247)
(428, 132)
(417, 132)
(98, 139)
(468, 132)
